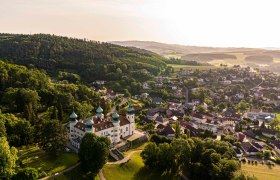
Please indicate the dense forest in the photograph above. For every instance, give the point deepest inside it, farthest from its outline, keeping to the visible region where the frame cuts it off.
(90, 59)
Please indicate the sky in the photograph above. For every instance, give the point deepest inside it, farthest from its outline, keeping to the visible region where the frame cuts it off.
(219, 23)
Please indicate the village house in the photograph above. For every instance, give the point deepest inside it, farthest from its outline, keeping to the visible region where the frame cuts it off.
(268, 132)
(168, 132)
(249, 148)
(146, 85)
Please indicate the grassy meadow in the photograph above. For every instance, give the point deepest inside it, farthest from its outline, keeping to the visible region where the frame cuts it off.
(262, 172)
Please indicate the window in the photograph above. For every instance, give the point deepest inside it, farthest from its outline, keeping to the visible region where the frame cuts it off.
(126, 128)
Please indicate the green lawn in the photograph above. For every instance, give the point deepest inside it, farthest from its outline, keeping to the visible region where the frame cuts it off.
(262, 172)
(50, 164)
(141, 147)
(133, 169)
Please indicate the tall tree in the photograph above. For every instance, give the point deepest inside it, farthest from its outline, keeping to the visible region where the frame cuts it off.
(8, 157)
(93, 152)
(52, 136)
(2, 129)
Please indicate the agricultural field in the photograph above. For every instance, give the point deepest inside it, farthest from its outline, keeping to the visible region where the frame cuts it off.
(262, 172)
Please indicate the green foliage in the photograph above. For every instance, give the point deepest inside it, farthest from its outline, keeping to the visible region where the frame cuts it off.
(177, 129)
(26, 174)
(91, 60)
(51, 136)
(159, 139)
(202, 159)
(19, 131)
(8, 157)
(93, 152)
(2, 129)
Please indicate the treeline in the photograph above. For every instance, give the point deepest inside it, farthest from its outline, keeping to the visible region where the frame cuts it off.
(197, 158)
(185, 62)
(90, 59)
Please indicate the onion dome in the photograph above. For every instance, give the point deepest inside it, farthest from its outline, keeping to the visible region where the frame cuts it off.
(89, 123)
(115, 117)
(130, 109)
(73, 116)
(99, 110)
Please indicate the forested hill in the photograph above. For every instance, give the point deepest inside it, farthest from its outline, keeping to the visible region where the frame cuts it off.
(89, 59)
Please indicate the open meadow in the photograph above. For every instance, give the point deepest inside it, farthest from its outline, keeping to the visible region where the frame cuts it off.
(262, 172)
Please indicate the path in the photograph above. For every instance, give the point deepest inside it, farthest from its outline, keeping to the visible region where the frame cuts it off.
(183, 176)
(101, 176)
(124, 160)
(66, 170)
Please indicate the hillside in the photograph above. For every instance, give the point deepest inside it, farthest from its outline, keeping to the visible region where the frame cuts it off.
(176, 49)
(254, 57)
(90, 59)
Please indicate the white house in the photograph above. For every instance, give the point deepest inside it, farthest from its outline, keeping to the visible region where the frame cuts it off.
(114, 127)
(146, 85)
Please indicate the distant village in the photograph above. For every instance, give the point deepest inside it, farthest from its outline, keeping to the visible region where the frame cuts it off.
(235, 104)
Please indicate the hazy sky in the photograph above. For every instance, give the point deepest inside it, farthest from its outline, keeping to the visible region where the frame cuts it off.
(251, 23)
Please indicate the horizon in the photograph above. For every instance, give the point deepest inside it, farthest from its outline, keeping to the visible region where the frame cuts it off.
(231, 24)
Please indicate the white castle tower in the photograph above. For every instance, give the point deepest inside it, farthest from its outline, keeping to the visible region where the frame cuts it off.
(99, 113)
(116, 129)
(72, 122)
(131, 118)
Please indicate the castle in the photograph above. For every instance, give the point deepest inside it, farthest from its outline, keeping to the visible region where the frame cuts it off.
(114, 127)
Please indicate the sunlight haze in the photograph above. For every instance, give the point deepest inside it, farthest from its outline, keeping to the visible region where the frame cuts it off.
(230, 23)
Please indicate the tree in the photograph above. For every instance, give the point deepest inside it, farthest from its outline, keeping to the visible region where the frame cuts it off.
(177, 129)
(149, 155)
(242, 106)
(93, 152)
(2, 129)
(275, 124)
(52, 136)
(8, 157)
(187, 118)
(201, 108)
(26, 174)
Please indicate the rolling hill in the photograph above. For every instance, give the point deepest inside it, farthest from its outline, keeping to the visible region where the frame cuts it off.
(256, 57)
(90, 59)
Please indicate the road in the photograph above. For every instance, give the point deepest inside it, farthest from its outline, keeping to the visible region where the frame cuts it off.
(258, 84)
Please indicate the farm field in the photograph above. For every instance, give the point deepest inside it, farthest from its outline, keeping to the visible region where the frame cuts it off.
(262, 172)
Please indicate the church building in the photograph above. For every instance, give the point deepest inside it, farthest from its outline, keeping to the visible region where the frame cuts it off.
(114, 127)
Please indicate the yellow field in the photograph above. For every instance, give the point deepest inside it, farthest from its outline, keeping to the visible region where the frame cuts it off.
(262, 172)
